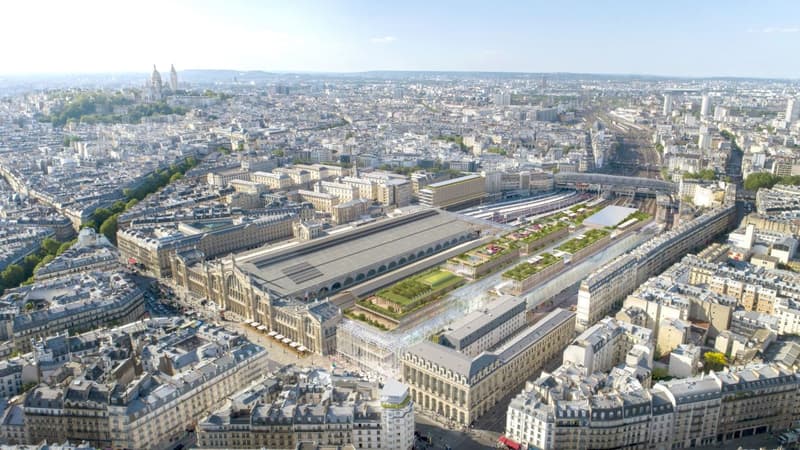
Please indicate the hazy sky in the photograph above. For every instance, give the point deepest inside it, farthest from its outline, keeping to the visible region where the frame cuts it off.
(672, 37)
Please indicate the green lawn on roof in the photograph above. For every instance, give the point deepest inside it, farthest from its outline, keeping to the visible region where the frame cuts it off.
(437, 278)
(638, 215)
(544, 231)
(590, 237)
(407, 291)
(526, 269)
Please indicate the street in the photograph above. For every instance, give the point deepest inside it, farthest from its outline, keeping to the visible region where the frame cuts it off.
(442, 437)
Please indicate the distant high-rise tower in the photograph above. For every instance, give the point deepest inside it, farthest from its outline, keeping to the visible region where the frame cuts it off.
(704, 139)
(502, 99)
(705, 106)
(173, 79)
(792, 110)
(155, 84)
(667, 103)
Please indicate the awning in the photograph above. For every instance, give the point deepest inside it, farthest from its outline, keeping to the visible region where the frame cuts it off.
(301, 349)
(286, 340)
(278, 336)
(254, 324)
(272, 333)
(509, 443)
(262, 328)
(294, 344)
(248, 322)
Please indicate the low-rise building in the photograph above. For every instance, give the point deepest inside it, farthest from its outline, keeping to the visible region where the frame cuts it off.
(605, 288)
(152, 247)
(143, 386)
(92, 251)
(274, 181)
(461, 388)
(606, 344)
(568, 409)
(345, 192)
(322, 201)
(461, 191)
(293, 407)
(684, 361)
(481, 330)
(80, 301)
(349, 211)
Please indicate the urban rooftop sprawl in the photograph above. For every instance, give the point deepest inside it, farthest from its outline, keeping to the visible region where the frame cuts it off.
(400, 260)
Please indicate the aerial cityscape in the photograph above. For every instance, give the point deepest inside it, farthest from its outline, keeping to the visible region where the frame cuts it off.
(337, 243)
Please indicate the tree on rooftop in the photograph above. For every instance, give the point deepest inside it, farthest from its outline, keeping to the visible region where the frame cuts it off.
(715, 361)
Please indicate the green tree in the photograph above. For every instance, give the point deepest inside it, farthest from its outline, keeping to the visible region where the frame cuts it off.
(30, 262)
(131, 203)
(64, 247)
(13, 275)
(50, 246)
(118, 207)
(109, 228)
(705, 174)
(715, 361)
(758, 180)
(175, 177)
(101, 214)
(68, 140)
(89, 224)
(46, 260)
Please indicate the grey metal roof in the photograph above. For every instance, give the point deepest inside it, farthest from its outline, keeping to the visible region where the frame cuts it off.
(299, 269)
(477, 323)
(511, 349)
(470, 367)
(450, 359)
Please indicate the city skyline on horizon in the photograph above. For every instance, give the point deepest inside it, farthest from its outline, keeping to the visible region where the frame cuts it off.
(277, 72)
(711, 40)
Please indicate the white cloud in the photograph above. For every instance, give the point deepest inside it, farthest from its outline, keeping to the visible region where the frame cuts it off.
(383, 40)
(774, 30)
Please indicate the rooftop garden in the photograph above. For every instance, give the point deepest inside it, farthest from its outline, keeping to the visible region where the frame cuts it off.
(638, 215)
(581, 213)
(406, 296)
(361, 317)
(411, 289)
(402, 404)
(527, 269)
(572, 246)
(487, 252)
(535, 232)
